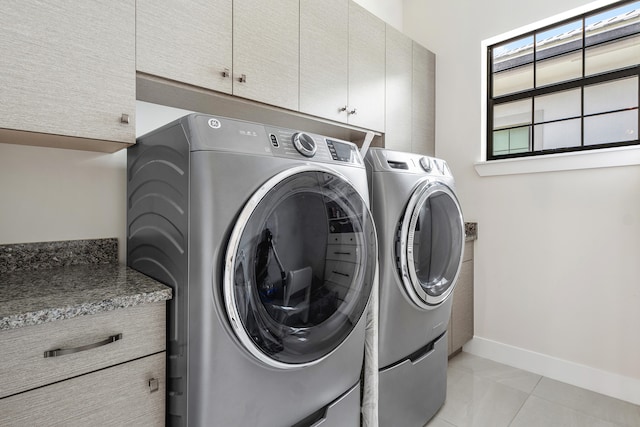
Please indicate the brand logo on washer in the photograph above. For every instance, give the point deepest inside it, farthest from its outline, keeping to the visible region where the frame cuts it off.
(214, 123)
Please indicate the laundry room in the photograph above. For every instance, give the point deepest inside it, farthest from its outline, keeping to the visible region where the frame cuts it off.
(338, 213)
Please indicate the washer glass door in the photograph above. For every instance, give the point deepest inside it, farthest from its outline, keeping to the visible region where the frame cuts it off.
(431, 244)
(299, 267)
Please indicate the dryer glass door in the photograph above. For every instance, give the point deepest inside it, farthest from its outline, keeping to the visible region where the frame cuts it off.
(299, 267)
(431, 244)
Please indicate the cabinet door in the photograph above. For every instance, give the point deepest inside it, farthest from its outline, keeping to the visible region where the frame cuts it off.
(132, 394)
(68, 68)
(324, 38)
(266, 51)
(398, 92)
(188, 42)
(423, 109)
(461, 324)
(366, 69)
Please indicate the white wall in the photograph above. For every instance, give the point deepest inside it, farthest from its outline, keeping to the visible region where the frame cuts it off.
(557, 276)
(49, 194)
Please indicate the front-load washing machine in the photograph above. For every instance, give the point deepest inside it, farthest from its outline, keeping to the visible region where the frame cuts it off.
(420, 240)
(265, 236)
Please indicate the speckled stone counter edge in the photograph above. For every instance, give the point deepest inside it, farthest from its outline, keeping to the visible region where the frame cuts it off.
(92, 282)
(45, 255)
(47, 315)
(471, 231)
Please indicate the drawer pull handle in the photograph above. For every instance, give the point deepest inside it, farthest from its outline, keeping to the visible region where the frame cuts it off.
(64, 351)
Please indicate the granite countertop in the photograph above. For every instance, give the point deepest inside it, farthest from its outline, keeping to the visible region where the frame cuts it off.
(33, 293)
(470, 231)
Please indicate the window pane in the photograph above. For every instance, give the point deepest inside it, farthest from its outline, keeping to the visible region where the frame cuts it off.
(500, 142)
(512, 114)
(613, 55)
(511, 141)
(512, 66)
(558, 40)
(614, 127)
(562, 105)
(611, 96)
(513, 80)
(612, 24)
(557, 135)
(519, 140)
(613, 39)
(559, 69)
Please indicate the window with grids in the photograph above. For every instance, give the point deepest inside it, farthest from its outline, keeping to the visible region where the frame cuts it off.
(571, 86)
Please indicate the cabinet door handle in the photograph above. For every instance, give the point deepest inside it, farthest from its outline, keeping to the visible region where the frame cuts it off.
(63, 351)
(352, 111)
(243, 78)
(124, 118)
(226, 73)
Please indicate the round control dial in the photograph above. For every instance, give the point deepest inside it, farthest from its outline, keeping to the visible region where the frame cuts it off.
(305, 144)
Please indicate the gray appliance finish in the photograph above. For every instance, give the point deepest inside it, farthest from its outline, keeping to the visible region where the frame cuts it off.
(421, 242)
(265, 236)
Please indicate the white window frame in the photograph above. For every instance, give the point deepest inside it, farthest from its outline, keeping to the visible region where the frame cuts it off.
(589, 159)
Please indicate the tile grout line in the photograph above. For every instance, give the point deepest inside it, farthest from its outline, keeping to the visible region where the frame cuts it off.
(520, 409)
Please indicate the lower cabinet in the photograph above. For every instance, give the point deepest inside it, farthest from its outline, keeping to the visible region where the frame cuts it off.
(129, 394)
(461, 322)
(102, 369)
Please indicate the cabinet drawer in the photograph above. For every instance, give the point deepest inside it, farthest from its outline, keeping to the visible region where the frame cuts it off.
(22, 352)
(120, 395)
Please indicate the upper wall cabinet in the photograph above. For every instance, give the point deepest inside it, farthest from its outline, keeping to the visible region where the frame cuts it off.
(190, 44)
(68, 74)
(410, 102)
(342, 60)
(324, 58)
(399, 89)
(266, 51)
(242, 47)
(423, 103)
(366, 69)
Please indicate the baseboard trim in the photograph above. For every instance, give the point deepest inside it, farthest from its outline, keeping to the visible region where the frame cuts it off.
(599, 381)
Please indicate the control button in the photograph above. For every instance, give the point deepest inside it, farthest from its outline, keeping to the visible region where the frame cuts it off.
(426, 164)
(438, 166)
(446, 170)
(274, 140)
(305, 144)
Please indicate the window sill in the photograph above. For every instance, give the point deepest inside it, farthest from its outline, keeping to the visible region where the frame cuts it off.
(603, 158)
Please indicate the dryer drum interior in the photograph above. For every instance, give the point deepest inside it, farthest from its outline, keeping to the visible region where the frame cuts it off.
(299, 267)
(431, 244)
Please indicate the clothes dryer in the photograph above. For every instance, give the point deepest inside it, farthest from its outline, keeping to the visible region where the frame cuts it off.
(265, 236)
(421, 242)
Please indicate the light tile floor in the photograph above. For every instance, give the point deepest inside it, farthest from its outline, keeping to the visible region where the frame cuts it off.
(484, 393)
